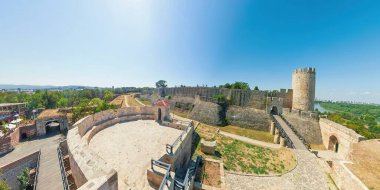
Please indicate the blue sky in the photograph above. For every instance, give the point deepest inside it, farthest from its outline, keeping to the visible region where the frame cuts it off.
(135, 43)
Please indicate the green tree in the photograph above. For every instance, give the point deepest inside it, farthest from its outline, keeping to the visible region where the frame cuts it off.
(256, 88)
(161, 84)
(240, 85)
(23, 178)
(236, 85)
(108, 95)
(63, 102)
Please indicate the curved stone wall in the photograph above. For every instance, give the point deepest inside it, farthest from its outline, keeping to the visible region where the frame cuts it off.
(89, 170)
(303, 83)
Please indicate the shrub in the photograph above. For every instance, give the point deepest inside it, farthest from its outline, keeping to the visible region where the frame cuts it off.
(219, 97)
(23, 178)
(4, 185)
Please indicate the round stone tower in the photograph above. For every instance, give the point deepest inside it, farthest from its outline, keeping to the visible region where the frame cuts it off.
(303, 83)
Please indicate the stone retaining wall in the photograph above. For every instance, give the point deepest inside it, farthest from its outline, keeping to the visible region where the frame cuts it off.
(208, 113)
(248, 118)
(12, 170)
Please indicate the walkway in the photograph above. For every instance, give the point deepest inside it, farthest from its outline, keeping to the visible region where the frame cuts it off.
(126, 101)
(250, 141)
(49, 176)
(307, 175)
(298, 144)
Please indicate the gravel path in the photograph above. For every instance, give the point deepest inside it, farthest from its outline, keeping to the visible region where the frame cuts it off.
(250, 141)
(307, 175)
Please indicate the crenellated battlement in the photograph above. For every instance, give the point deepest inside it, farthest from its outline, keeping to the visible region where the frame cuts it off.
(310, 70)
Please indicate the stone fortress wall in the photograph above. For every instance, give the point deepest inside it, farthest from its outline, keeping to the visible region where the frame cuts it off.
(303, 83)
(247, 98)
(89, 170)
(200, 105)
(306, 123)
(250, 108)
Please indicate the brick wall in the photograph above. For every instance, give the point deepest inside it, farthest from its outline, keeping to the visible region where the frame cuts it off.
(9, 140)
(29, 130)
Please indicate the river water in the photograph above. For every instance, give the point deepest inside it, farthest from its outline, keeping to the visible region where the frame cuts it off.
(321, 109)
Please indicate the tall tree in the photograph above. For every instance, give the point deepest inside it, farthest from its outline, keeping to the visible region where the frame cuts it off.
(161, 84)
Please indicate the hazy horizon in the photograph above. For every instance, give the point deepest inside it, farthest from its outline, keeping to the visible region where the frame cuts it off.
(136, 43)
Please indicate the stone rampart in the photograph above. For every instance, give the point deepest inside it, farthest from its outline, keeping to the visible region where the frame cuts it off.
(208, 113)
(237, 97)
(11, 170)
(248, 118)
(306, 125)
(345, 136)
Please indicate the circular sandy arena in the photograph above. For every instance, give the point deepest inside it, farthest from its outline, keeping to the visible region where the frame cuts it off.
(129, 147)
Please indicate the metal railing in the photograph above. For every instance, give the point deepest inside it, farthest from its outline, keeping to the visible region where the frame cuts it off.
(190, 174)
(169, 147)
(37, 170)
(289, 142)
(296, 132)
(65, 181)
(165, 181)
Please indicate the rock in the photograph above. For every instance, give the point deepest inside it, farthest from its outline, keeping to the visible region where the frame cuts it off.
(208, 147)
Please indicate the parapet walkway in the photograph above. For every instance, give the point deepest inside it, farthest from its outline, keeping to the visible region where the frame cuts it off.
(298, 144)
(49, 176)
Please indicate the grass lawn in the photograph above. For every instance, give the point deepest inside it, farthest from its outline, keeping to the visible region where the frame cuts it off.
(145, 102)
(131, 101)
(245, 158)
(181, 114)
(250, 133)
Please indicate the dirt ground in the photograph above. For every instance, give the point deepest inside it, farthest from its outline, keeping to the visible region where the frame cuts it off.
(366, 159)
(129, 147)
(211, 175)
(119, 101)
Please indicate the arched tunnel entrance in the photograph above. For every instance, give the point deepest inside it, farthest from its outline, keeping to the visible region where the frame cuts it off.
(274, 111)
(333, 144)
(53, 127)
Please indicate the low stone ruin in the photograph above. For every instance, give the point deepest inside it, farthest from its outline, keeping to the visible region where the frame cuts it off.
(208, 147)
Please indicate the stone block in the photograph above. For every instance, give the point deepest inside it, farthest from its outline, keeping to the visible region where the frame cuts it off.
(208, 147)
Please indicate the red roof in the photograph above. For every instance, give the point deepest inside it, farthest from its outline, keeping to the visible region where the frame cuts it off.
(162, 103)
